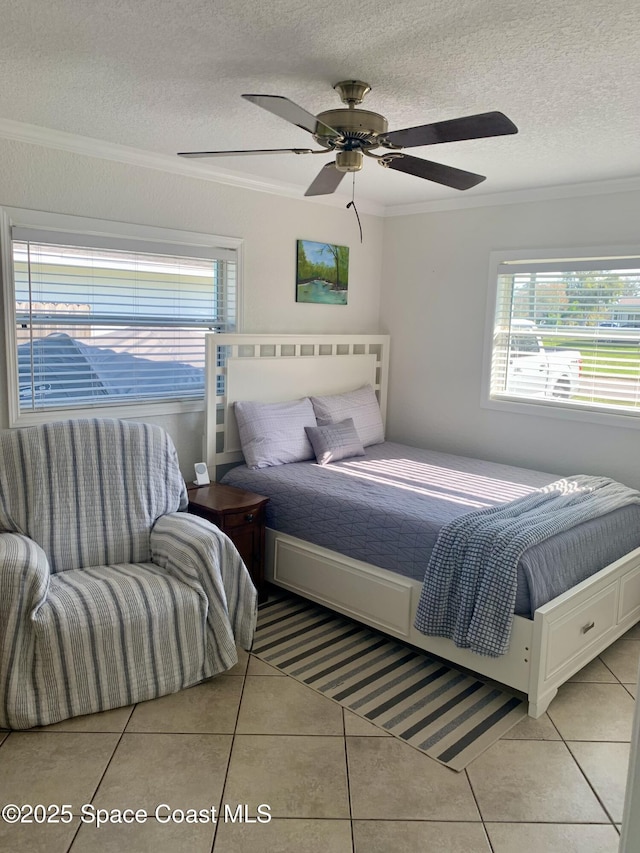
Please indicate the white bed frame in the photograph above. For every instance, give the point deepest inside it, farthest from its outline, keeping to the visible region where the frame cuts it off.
(564, 635)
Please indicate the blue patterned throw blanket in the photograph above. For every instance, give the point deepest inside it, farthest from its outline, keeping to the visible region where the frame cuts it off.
(469, 589)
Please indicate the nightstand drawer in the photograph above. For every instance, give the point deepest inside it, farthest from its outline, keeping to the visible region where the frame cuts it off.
(251, 515)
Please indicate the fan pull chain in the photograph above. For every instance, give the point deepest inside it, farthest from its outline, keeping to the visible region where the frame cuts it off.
(352, 204)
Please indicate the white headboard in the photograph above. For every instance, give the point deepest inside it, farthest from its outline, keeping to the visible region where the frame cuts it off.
(273, 368)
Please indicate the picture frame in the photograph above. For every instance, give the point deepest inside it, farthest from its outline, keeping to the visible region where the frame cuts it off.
(322, 273)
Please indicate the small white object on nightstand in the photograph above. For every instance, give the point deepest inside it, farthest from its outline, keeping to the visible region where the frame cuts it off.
(202, 474)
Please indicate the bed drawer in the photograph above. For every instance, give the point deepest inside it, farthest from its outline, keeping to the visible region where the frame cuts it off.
(574, 632)
(630, 597)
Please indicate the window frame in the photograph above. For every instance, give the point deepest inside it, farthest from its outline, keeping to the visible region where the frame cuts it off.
(551, 407)
(145, 238)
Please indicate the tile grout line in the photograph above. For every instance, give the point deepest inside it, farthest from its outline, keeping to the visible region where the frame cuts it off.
(618, 681)
(588, 781)
(475, 799)
(104, 772)
(233, 740)
(606, 665)
(346, 767)
(578, 740)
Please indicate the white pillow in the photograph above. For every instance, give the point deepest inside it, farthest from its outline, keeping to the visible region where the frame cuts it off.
(361, 405)
(273, 433)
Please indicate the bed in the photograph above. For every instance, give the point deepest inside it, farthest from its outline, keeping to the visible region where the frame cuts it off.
(549, 641)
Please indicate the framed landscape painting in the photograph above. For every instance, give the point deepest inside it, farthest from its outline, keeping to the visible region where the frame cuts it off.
(322, 273)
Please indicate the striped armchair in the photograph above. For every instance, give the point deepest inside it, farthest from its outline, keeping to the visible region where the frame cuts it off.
(109, 593)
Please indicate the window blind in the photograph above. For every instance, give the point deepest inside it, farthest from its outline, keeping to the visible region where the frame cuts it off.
(567, 333)
(101, 320)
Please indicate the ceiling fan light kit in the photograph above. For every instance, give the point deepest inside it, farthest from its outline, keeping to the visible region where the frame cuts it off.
(354, 133)
(349, 161)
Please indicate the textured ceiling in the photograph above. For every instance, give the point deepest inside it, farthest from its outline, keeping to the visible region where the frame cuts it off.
(167, 76)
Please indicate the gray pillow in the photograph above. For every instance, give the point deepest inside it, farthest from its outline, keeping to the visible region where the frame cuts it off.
(273, 433)
(334, 442)
(361, 405)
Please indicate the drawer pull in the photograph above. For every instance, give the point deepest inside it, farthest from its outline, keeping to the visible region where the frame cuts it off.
(586, 628)
(249, 516)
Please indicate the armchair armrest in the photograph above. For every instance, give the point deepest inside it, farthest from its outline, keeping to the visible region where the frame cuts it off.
(24, 583)
(199, 554)
(24, 578)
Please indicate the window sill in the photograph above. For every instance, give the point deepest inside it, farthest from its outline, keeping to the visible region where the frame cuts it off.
(125, 411)
(569, 412)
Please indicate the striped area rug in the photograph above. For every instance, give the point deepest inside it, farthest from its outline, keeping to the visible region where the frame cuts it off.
(444, 712)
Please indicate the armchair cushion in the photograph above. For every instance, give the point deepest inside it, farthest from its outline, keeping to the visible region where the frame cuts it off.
(157, 649)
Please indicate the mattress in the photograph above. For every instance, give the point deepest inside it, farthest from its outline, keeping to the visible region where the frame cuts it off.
(387, 508)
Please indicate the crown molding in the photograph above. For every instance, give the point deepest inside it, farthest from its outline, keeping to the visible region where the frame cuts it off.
(617, 185)
(90, 147)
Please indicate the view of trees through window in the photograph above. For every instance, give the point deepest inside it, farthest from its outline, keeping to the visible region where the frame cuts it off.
(575, 299)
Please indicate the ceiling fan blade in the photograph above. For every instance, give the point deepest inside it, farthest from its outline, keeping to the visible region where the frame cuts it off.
(240, 153)
(454, 130)
(286, 109)
(326, 181)
(441, 174)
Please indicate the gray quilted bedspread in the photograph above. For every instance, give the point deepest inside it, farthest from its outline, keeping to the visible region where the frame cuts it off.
(387, 508)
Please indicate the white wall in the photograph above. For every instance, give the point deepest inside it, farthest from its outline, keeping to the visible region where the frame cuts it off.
(433, 304)
(40, 178)
(422, 278)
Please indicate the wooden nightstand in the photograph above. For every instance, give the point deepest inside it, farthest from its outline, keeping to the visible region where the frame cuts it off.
(239, 514)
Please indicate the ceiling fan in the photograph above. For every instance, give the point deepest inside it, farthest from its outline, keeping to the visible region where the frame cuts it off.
(354, 134)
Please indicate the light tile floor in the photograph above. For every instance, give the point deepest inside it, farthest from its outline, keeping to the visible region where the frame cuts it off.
(333, 783)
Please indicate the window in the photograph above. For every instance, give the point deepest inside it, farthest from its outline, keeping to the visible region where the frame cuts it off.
(564, 335)
(112, 319)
